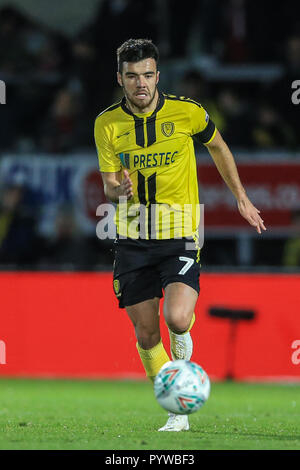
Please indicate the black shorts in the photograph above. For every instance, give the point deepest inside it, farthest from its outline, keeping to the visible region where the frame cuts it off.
(143, 268)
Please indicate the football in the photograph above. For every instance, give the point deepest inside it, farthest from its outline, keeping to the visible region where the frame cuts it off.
(181, 387)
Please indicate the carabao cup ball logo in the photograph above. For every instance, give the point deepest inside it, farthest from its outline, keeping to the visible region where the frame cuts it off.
(181, 387)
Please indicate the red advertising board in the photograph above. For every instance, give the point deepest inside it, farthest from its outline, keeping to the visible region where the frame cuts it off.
(274, 188)
(69, 325)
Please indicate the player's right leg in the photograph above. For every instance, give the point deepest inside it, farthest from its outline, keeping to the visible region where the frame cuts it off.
(145, 319)
(138, 289)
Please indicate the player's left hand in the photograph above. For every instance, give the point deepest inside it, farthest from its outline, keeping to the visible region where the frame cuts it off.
(251, 214)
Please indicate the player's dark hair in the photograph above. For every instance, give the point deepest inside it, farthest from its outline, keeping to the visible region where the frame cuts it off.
(135, 50)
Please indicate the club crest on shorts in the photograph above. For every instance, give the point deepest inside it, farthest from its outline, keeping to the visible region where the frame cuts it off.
(167, 128)
(116, 285)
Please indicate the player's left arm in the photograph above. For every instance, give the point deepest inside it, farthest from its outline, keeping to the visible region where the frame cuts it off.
(226, 166)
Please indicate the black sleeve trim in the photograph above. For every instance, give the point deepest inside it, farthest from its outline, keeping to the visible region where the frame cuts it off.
(205, 135)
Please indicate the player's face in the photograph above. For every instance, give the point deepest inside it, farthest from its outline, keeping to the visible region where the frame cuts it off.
(139, 80)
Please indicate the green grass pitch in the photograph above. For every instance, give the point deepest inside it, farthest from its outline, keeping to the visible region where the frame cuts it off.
(124, 415)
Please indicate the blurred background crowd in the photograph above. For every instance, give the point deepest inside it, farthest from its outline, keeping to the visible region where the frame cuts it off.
(238, 58)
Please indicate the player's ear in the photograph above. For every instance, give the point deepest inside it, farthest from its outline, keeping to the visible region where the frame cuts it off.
(119, 79)
(157, 77)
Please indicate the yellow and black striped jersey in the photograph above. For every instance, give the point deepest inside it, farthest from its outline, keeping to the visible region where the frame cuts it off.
(157, 149)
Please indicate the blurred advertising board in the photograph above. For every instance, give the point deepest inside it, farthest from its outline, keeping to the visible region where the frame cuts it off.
(74, 180)
(274, 188)
(58, 182)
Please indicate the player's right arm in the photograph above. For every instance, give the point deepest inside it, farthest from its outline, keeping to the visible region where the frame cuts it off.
(115, 186)
(116, 183)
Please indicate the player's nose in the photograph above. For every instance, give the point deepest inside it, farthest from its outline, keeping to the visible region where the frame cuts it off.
(141, 81)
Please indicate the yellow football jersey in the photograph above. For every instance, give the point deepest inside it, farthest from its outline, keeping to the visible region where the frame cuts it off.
(157, 150)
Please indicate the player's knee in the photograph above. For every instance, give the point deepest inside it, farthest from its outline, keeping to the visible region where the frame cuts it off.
(147, 338)
(179, 323)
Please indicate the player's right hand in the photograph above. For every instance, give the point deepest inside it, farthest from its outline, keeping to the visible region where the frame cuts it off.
(125, 188)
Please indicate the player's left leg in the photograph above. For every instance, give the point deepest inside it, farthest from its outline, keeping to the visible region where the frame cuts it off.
(179, 305)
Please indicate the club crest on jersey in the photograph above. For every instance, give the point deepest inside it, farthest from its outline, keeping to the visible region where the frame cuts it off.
(168, 128)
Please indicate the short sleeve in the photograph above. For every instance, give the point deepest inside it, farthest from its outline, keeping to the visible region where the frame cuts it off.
(108, 161)
(202, 127)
